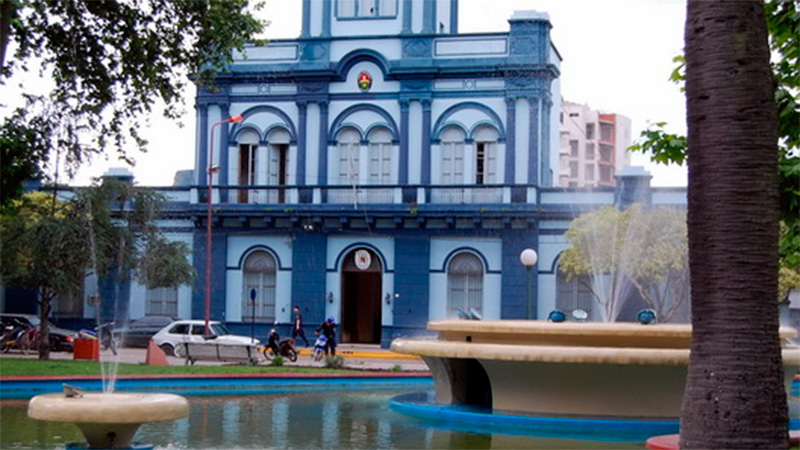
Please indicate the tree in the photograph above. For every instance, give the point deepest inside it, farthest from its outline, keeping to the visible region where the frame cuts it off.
(638, 247)
(110, 62)
(734, 396)
(108, 230)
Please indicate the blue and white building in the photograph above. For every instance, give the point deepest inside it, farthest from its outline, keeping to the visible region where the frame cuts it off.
(387, 171)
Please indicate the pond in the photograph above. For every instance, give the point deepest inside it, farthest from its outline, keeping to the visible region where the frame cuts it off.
(307, 418)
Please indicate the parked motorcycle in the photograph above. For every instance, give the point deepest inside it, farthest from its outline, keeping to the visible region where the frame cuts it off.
(277, 346)
(320, 347)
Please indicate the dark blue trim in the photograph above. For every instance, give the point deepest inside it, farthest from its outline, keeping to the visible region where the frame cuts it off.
(429, 17)
(338, 123)
(442, 121)
(453, 16)
(547, 177)
(511, 144)
(407, 15)
(425, 166)
(533, 141)
(322, 172)
(202, 151)
(475, 420)
(402, 176)
(300, 169)
(224, 153)
(287, 121)
(258, 247)
(306, 27)
(326, 18)
(356, 56)
(351, 247)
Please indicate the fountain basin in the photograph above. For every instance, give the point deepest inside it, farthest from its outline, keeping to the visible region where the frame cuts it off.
(614, 370)
(108, 420)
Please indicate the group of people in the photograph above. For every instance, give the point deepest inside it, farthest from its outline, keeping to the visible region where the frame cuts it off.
(328, 329)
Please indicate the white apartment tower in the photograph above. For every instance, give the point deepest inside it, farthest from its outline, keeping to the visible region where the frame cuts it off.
(592, 147)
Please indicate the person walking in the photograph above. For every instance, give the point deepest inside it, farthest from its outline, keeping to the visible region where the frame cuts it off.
(297, 327)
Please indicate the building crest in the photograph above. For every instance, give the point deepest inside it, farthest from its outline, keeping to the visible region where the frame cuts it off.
(364, 81)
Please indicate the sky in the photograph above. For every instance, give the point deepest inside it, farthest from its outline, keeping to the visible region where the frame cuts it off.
(617, 57)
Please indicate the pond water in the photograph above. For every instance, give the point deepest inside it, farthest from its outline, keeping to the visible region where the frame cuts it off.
(319, 418)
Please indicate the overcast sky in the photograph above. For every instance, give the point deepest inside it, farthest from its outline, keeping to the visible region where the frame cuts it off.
(617, 57)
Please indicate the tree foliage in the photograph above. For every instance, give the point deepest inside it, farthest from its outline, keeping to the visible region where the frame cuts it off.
(640, 247)
(110, 62)
(783, 26)
(108, 230)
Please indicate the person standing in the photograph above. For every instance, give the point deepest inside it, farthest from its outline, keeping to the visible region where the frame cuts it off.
(297, 327)
(328, 329)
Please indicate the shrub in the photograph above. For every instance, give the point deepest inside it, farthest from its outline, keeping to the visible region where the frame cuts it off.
(277, 361)
(334, 362)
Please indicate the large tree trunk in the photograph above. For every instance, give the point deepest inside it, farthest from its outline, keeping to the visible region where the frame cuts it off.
(734, 394)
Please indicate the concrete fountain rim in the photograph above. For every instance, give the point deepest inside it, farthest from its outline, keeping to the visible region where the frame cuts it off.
(107, 408)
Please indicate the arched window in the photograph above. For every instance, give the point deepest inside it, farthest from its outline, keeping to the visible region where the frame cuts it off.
(248, 162)
(452, 156)
(348, 144)
(259, 279)
(485, 155)
(573, 294)
(380, 156)
(464, 284)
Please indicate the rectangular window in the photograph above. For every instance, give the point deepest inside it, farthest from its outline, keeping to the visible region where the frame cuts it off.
(162, 302)
(607, 132)
(247, 169)
(452, 163)
(348, 163)
(589, 176)
(347, 8)
(605, 174)
(590, 151)
(589, 131)
(573, 169)
(573, 148)
(606, 153)
(380, 163)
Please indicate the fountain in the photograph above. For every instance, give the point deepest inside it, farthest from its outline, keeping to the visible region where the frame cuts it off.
(619, 371)
(107, 420)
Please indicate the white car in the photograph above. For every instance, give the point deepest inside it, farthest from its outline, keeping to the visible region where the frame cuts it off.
(180, 331)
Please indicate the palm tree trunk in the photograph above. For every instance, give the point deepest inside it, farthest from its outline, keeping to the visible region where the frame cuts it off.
(734, 395)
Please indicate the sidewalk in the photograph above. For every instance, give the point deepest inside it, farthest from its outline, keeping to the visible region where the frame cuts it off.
(356, 356)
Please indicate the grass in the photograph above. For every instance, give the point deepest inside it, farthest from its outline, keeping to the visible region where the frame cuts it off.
(31, 367)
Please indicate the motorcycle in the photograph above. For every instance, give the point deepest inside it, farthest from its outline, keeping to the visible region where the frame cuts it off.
(277, 346)
(320, 347)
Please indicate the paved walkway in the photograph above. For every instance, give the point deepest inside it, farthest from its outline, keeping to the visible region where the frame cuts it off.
(356, 356)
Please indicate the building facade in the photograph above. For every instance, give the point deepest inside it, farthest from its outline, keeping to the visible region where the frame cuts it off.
(387, 171)
(593, 146)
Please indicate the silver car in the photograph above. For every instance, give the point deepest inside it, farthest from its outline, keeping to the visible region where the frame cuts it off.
(173, 335)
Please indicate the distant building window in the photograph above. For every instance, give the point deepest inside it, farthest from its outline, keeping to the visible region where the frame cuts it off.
(561, 117)
(162, 302)
(464, 284)
(607, 132)
(573, 169)
(589, 131)
(380, 156)
(573, 148)
(606, 153)
(605, 173)
(590, 151)
(589, 172)
(574, 115)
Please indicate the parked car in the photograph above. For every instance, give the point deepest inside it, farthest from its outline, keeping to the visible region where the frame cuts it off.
(139, 332)
(61, 339)
(173, 335)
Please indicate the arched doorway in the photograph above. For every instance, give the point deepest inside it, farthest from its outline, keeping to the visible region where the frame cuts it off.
(361, 297)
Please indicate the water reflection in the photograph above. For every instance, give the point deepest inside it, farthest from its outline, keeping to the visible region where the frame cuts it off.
(321, 419)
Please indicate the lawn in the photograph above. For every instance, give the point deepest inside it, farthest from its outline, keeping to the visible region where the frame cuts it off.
(31, 367)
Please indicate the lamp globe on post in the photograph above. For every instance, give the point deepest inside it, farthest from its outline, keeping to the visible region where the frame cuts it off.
(528, 258)
(211, 170)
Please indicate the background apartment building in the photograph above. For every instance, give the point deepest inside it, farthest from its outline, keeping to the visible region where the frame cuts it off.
(592, 146)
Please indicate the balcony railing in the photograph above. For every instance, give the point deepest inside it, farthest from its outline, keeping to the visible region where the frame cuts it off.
(369, 194)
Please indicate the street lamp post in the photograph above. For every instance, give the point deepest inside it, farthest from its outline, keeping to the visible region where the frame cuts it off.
(528, 258)
(208, 216)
